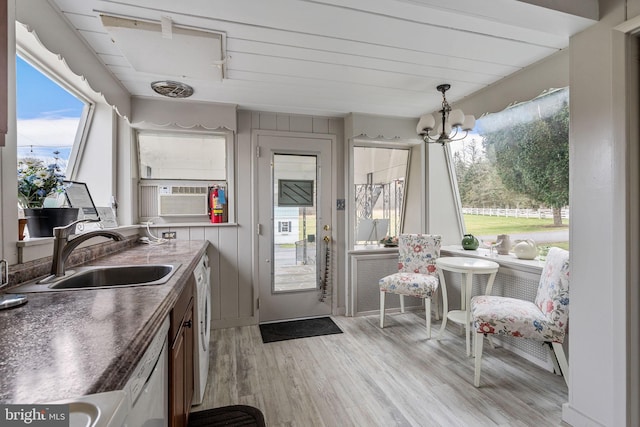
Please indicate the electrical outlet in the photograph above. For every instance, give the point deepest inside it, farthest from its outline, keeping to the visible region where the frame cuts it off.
(168, 234)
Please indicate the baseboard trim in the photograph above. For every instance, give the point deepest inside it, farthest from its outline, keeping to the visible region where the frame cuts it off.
(575, 418)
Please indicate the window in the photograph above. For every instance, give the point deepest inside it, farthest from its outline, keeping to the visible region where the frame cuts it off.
(48, 117)
(513, 172)
(378, 191)
(194, 156)
(284, 226)
(193, 160)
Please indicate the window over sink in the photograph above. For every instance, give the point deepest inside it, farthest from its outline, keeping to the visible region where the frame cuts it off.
(193, 156)
(184, 174)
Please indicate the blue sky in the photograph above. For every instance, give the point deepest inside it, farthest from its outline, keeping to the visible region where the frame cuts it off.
(47, 115)
(39, 97)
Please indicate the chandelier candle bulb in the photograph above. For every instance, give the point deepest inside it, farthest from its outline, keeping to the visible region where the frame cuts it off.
(469, 123)
(456, 118)
(426, 123)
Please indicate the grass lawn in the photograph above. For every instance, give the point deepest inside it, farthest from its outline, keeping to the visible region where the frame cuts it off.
(563, 245)
(481, 225)
(487, 225)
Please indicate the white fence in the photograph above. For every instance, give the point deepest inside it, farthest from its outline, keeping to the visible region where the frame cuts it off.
(515, 213)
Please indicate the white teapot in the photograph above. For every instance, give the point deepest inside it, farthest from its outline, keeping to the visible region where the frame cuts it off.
(525, 249)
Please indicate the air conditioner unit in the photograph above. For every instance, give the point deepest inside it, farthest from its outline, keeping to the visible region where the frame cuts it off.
(182, 201)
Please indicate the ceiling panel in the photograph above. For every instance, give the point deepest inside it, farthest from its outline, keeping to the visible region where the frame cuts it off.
(339, 56)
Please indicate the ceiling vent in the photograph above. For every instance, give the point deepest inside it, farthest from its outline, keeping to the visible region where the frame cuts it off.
(158, 48)
(172, 89)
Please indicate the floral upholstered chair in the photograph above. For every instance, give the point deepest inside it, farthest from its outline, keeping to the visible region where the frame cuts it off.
(544, 320)
(417, 275)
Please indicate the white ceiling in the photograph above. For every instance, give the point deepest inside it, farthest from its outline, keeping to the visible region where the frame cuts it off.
(332, 57)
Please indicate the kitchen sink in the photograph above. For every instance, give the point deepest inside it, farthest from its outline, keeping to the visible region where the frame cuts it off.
(104, 277)
(108, 409)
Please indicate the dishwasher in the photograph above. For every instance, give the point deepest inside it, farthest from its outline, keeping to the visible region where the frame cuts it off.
(148, 387)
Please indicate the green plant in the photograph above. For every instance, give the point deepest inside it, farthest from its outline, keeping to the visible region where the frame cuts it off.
(389, 240)
(37, 181)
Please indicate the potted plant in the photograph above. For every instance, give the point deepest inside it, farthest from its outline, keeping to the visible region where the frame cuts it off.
(36, 182)
(389, 241)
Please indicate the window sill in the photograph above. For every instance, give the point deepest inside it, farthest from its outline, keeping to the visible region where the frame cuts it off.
(41, 241)
(189, 224)
(508, 261)
(34, 249)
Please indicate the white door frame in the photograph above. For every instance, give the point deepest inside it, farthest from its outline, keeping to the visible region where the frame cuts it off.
(255, 136)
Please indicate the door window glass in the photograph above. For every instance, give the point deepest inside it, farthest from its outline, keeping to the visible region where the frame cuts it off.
(294, 222)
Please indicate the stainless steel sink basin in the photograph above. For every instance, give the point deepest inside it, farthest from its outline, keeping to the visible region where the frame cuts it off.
(102, 277)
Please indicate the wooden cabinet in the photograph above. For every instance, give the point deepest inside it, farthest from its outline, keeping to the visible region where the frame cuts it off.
(181, 337)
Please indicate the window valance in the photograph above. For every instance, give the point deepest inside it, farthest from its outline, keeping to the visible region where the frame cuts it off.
(182, 114)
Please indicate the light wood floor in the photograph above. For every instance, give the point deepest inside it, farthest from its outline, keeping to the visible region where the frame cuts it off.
(372, 377)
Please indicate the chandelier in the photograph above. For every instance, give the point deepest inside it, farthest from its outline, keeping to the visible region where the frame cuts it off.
(453, 124)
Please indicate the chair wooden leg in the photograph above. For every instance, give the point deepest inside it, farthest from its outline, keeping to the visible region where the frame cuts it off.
(445, 305)
(491, 342)
(435, 297)
(382, 309)
(401, 303)
(562, 361)
(477, 344)
(554, 359)
(427, 310)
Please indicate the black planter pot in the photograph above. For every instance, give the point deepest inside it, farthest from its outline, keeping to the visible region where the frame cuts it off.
(40, 221)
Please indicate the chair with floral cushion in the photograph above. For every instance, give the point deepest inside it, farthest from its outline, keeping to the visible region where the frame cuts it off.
(416, 276)
(544, 320)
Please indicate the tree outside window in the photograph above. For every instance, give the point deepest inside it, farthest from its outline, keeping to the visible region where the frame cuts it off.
(516, 164)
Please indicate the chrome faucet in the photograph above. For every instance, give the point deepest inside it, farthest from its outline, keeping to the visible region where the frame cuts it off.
(63, 245)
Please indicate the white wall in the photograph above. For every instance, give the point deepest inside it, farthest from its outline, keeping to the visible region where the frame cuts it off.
(127, 175)
(415, 216)
(97, 167)
(598, 228)
(442, 203)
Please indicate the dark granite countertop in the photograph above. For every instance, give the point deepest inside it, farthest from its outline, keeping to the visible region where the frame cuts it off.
(63, 345)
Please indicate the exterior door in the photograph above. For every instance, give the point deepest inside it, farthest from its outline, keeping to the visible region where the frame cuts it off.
(294, 213)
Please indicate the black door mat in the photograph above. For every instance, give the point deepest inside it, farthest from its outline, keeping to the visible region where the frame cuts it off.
(228, 416)
(290, 330)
